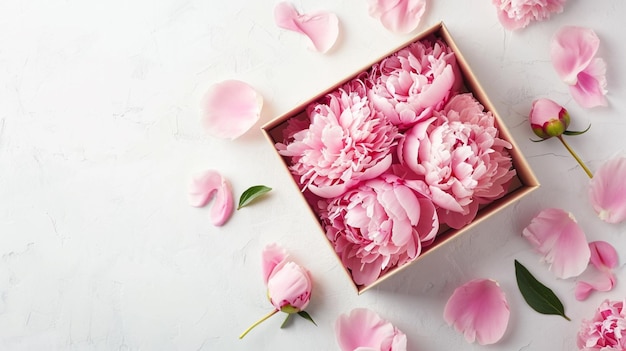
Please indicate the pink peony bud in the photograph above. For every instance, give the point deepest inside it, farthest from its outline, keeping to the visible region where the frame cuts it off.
(289, 288)
(548, 119)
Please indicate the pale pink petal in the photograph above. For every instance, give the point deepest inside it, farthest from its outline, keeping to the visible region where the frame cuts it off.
(322, 28)
(590, 89)
(599, 275)
(207, 184)
(479, 310)
(399, 16)
(273, 256)
(572, 50)
(607, 190)
(555, 234)
(230, 108)
(364, 330)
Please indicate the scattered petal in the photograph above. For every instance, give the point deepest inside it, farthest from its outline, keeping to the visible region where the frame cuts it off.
(607, 190)
(479, 310)
(230, 109)
(206, 185)
(364, 330)
(399, 16)
(555, 234)
(322, 28)
(573, 51)
(599, 275)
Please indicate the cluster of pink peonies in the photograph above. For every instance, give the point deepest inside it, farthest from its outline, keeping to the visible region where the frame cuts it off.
(394, 154)
(605, 331)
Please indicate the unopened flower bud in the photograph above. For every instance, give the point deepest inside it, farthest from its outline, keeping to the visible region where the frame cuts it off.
(548, 119)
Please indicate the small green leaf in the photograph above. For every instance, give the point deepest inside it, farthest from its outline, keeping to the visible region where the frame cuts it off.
(306, 316)
(538, 296)
(573, 132)
(285, 321)
(252, 193)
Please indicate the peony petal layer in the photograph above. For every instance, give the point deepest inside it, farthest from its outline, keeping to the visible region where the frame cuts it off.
(479, 310)
(207, 184)
(607, 190)
(230, 108)
(398, 16)
(273, 256)
(322, 28)
(555, 234)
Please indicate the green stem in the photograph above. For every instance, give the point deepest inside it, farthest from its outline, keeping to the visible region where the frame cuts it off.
(580, 162)
(257, 323)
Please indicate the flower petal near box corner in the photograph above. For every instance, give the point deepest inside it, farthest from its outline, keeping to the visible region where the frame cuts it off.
(400, 157)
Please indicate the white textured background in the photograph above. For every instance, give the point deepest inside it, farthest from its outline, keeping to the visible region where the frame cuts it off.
(99, 134)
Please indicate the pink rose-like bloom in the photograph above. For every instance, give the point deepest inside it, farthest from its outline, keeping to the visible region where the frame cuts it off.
(516, 14)
(460, 157)
(288, 284)
(347, 142)
(409, 85)
(381, 224)
(548, 119)
(606, 331)
(363, 329)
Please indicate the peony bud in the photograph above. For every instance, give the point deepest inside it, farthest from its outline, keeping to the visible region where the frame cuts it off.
(289, 288)
(548, 119)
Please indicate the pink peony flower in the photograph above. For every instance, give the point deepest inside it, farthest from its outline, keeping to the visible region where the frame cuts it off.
(410, 84)
(364, 330)
(381, 224)
(479, 310)
(607, 191)
(516, 14)
(548, 119)
(606, 331)
(572, 52)
(347, 142)
(460, 157)
(288, 284)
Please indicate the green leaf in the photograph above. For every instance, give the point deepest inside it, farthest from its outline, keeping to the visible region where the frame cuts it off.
(252, 193)
(306, 316)
(285, 321)
(572, 132)
(538, 296)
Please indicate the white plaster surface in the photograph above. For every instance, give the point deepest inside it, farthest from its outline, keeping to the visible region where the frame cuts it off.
(100, 133)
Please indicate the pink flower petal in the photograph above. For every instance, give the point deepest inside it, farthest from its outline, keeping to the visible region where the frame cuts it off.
(555, 234)
(322, 28)
(399, 16)
(273, 256)
(573, 51)
(204, 186)
(599, 275)
(607, 190)
(230, 108)
(364, 330)
(479, 310)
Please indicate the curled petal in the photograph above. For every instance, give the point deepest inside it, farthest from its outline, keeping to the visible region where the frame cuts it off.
(399, 16)
(599, 275)
(479, 310)
(273, 257)
(230, 108)
(207, 184)
(607, 190)
(555, 234)
(322, 28)
(363, 329)
(573, 51)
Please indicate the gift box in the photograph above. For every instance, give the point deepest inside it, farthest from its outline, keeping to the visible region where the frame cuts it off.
(400, 157)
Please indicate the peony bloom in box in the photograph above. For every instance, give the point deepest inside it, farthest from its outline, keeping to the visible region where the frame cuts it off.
(379, 225)
(460, 157)
(346, 142)
(409, 85)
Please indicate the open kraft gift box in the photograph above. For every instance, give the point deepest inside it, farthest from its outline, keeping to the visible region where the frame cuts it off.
(521, 183)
